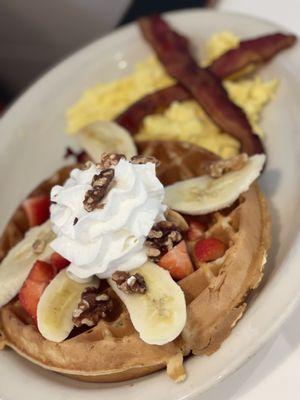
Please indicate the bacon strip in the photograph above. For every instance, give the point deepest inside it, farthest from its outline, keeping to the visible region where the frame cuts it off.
(152, 103)
(173, 51)
(252, 51)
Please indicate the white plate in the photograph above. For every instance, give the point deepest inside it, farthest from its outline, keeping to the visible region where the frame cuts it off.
(32, 143)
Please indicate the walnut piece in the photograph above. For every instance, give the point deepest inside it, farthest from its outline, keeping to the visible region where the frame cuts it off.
(38, 246)
(109, 160)
(100, 187)
(92, 307)
(140, 159)
(163, 236)
(221, 167)
(130, 283)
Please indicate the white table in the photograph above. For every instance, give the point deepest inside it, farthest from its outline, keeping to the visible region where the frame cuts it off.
(274, 372)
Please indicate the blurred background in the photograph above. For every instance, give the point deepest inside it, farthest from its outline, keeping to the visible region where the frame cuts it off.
(35, 35)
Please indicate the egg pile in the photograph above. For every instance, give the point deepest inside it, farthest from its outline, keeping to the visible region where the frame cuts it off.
(181, 121)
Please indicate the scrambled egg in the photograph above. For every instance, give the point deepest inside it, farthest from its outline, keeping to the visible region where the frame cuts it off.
(181, 121)
(107, 100)
(217, 45)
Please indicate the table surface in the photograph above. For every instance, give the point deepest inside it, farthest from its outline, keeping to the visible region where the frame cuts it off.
(274, 371)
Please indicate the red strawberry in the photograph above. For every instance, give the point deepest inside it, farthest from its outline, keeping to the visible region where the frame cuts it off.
(209, 249)
(37, 209)
(177, 261)
(58, 262)
(196, 230)
(38, 279)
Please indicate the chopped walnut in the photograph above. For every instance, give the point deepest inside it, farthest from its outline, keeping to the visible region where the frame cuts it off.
(163, 236)
(109, 160)
(38, 246)
(221, 167)
(100, 186)
(129, 283)
(140, 159)
(92, 307)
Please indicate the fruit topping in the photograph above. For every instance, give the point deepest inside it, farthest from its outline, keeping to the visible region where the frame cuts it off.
(57, 304)
(58, 262)
(204, 194)
(196, 230)
(18, 262)
(177, 261)
(38, 279)
(160, 315)
(105, 137)
(210, 249)
(37, 209)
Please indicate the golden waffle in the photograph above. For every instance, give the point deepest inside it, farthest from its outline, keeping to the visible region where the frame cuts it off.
(215, 294)
(178, 160)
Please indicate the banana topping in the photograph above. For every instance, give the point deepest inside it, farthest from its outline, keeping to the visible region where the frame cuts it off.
(105, 137)
(206, 194)
(57, 304)
(159, 314)
(16, 266)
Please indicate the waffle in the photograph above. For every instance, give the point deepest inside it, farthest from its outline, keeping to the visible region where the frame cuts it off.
(178, 160)
(216, 295)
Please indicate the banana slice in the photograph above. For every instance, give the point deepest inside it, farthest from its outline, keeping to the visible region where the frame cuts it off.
(106, 137)
(16, 266)
(159, 315)
(56, 306)
(204, 194)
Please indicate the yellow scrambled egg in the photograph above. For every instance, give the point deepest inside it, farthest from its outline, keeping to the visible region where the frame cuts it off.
(181, 121)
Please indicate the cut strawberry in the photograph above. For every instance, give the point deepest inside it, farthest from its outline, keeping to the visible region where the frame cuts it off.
(196, 230)
(37, 209)
(58, 262)
(38, 279)
(209, 249)
(177, 261)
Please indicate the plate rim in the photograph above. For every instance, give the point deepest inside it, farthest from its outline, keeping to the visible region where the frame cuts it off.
(267, 335)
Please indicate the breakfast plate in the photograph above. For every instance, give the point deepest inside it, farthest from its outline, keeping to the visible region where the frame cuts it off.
(32, 147)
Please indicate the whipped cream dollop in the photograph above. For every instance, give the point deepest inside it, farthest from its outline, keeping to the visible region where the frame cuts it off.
(111, 238)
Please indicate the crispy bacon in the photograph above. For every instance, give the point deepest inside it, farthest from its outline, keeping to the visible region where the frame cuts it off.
(173, 51)
(151, 104)
(252, 51)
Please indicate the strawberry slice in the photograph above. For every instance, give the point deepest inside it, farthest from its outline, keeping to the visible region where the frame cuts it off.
(195, 231)
(58, 262)
(37, 209)
(39, 277)
(209, 249)
(177, 261)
